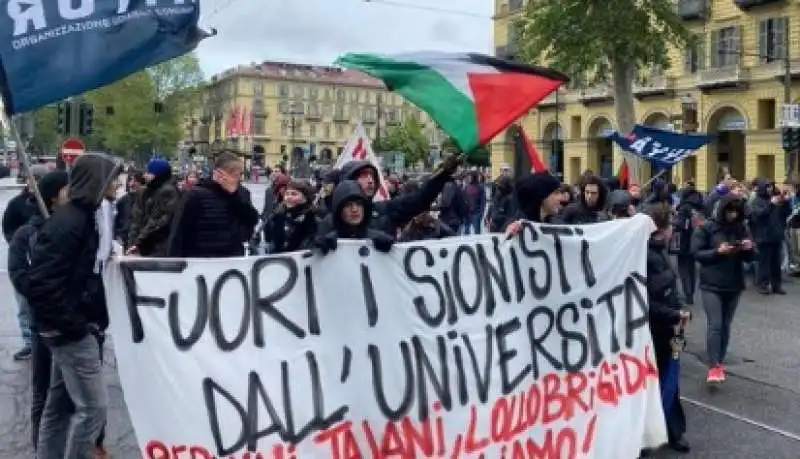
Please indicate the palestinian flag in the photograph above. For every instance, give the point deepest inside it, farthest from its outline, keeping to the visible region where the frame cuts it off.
(472, 97)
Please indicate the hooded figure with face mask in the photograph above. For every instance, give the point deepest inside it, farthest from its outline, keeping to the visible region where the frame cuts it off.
(68, 306)
(350, 217)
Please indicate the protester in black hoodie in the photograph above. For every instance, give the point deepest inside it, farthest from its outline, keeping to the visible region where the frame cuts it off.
(591, 204)
(22, 206)
(390, 215)
(152, 211)
(350, 218)
(538, 200)
(769, 211)
(689, 210)
(53, 189)
(721, 246)
(664, 315)
(293, 225)
(124, 207)
(68, 305)
(324, 200)
(502, 208)
(619, 205)
(216, 217)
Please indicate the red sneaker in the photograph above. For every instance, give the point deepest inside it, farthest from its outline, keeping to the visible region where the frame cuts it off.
(100, 453)
(715, 375)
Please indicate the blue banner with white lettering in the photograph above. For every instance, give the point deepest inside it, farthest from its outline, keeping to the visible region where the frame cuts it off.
(662, 148)
(50, 50)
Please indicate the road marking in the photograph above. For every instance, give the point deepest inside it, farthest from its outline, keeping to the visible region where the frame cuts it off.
(746, 420)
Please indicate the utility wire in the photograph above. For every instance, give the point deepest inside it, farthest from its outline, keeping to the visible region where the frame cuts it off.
(428, 8)
(228, 3)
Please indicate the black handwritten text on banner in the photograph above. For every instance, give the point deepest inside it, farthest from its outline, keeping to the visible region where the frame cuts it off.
(537, 347)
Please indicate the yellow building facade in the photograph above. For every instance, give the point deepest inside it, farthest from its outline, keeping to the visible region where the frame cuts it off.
(730, 77)
(295, 112)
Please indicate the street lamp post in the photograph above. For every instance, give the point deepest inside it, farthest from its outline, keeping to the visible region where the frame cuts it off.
(292, 124)
(689, 118)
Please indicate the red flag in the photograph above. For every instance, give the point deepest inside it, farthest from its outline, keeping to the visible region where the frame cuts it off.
(537, 165)
(624, 175)
(233, 122)
(247, 124)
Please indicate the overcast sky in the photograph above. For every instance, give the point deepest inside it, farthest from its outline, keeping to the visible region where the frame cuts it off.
(317, 31)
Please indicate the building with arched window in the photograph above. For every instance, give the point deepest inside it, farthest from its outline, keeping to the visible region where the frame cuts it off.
(737, 96)
(295, 112)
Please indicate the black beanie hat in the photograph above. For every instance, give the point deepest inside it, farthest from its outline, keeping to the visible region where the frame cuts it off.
(533, 190)
(51, 184)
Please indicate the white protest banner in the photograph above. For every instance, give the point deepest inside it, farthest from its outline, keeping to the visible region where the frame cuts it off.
(359, 148)
(468, 347)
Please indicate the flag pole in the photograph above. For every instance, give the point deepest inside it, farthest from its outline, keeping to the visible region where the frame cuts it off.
(652, 179)
(22, 157)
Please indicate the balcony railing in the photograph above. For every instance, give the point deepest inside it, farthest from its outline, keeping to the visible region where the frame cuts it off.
(314, 115)
(341, 117)
(732, 75)
(655, 85)
(690, 10)
(775, 69)
(595, 94)
(749, 4)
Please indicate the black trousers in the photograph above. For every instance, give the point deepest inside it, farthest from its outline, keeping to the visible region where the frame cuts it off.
(41, 366)
(770, 258)
(687, 271)
(675, 418)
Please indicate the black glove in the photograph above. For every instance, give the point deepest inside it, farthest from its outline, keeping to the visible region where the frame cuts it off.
(326, 243)
(451, 162)
(382, 242)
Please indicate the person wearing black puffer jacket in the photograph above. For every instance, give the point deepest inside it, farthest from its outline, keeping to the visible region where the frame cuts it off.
(216, 217)
(721, 246)
(769, 211)
(293, 225)
(351, 215)
(665, 315)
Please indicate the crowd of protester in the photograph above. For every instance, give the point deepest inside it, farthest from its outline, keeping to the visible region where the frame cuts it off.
(719, 240)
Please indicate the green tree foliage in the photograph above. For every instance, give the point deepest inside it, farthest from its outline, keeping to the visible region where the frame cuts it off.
(479, 157)
(409, 138)
(179, 83)
(602, 41)
(127, 120)
(45, 139)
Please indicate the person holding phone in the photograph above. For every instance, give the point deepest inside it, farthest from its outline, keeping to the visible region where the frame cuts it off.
(721, 246)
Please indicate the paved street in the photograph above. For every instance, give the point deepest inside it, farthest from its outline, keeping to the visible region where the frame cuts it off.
(755, 415)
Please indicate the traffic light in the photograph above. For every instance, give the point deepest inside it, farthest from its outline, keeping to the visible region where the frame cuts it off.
(65, 118)
(86, 119)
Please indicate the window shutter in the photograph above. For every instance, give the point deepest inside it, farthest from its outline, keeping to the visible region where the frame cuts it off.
(687, 59)
(713, 47)
(763, 39)
(701, 53)
(784, 28)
